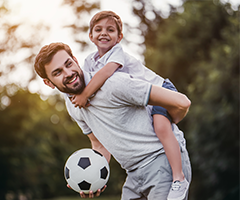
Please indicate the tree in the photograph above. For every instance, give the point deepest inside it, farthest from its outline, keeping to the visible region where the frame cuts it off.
(19, 44)
(36, 139)
(36, 135)
(198, 50)
(80, 27)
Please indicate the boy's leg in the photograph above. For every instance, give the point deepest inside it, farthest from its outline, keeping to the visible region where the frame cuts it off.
(163, 130)
(156, 179)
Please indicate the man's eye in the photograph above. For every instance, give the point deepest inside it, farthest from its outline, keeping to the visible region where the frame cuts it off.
(57, 73)
(111, 30)
(69, 64)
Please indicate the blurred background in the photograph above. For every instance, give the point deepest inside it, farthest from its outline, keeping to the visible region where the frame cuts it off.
(193, 43)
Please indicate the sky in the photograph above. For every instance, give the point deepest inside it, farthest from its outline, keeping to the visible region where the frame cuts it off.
(52, 13)
(55, 15)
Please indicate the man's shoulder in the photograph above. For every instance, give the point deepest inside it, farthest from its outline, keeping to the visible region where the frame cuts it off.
(119, 81)
(119, 77)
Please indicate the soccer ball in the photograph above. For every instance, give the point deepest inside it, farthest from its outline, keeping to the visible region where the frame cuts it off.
(86, 170)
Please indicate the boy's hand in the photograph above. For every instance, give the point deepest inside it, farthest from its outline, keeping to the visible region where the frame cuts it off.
(91, 194)
(80, 101)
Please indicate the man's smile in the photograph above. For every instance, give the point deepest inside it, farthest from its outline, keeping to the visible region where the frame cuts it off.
(71, 80)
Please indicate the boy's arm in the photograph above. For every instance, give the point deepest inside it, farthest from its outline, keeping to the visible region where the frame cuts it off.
(95, 84)
(177, 104)
(100, 77)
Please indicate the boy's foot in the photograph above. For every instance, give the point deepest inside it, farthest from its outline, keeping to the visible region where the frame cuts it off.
(178, 190)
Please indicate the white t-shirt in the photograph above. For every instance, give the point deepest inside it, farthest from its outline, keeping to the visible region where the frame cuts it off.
(119, 119)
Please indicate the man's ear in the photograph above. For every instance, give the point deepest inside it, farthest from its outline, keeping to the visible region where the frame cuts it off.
(120, 37)
(48, 83)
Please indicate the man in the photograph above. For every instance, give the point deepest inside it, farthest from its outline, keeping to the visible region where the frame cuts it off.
(118, 122)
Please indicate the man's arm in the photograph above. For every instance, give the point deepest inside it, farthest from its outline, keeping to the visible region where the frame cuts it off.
(96, 145)
(177, 104)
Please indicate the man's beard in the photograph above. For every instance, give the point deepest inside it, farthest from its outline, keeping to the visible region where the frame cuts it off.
(76, 88)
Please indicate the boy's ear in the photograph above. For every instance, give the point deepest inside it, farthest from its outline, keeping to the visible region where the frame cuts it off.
(120, 37)
(90, 36)
(48, 83)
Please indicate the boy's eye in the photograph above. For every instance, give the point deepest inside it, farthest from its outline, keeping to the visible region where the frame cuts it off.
(97, 29)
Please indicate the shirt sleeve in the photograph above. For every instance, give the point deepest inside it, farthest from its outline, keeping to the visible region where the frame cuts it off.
(123, 89)
(116, 55)
(75, 115)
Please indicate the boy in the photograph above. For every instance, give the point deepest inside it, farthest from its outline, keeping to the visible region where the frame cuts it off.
(106, 33)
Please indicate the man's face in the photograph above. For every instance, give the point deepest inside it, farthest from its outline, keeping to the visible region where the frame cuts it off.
(64, 73)
(105, 35)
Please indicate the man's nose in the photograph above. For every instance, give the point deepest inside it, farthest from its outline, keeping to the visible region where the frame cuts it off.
(67, 72)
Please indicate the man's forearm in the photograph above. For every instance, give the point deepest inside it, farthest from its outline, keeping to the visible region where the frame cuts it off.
(177, 104)
(96, 145)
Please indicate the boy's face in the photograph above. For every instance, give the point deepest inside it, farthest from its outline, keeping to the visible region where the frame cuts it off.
(64, 73)
(105, 35)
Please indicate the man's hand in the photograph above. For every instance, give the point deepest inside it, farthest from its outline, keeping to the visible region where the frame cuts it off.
(91, 194)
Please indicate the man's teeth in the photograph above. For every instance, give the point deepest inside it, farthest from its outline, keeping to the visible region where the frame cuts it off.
(71, 81)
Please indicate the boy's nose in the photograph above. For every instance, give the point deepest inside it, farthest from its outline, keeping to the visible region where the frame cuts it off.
(103, 32)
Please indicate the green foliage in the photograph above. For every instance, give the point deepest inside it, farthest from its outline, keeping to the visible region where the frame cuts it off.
(198, 50)
(36, 137)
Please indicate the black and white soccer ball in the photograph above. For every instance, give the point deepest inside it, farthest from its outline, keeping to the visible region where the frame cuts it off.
(86, 170)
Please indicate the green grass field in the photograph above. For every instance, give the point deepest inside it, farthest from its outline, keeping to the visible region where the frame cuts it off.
(78, 198)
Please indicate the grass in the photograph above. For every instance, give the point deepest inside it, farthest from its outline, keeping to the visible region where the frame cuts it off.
(97, 198)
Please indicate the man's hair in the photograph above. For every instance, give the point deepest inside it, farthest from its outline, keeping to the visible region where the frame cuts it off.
(46, 54)
(106, 14)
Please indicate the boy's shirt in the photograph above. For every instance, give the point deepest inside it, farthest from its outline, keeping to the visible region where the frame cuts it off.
(129, 64)
(94, 63)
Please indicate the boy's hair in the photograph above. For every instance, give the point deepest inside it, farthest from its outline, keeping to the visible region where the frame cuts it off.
(106, 14)
(46, 54)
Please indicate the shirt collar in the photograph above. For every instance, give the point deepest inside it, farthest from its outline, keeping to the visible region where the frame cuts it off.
(95, 57)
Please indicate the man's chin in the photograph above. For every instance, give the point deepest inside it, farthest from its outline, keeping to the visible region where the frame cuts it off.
(73, 90)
